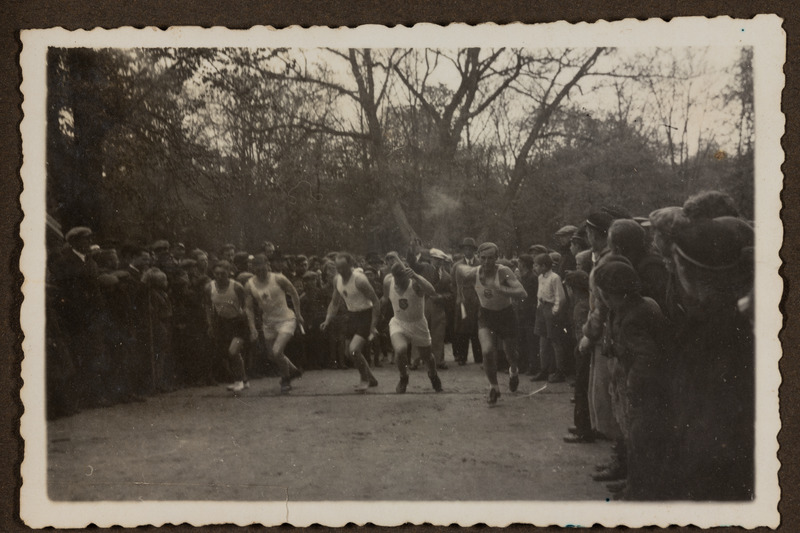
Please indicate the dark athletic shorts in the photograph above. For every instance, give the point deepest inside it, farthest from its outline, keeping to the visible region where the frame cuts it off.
(227, 329)
(502, 323)
(358, 323)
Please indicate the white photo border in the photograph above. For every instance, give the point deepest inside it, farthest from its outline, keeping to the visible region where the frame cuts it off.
(764, 33)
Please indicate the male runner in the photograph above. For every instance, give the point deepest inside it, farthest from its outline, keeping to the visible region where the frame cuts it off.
(224, 303)
(496, 285)
(407, 290)
(363, 310)
(269, 290)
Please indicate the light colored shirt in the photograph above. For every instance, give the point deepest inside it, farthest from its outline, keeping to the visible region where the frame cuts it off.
(354, 299)
(551, 290)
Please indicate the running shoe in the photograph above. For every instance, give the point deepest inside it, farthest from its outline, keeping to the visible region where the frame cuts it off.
(373, 382)
(401, 385)
(513, 383)
(295, 373)
(494, 394)
(362, 386)
(246, 384)
(236, 387)
(436, 382)
(286, 386)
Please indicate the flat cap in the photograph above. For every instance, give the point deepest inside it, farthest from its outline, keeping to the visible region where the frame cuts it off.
(536, 249)
(713, 244)
(577, 279)
(599, 220)
(438, 254)
(187, 263)
(616, 211)
(617, 277)
(667, 219)
(469, 242)
(77, 232)
(566, 231)
(160, 244)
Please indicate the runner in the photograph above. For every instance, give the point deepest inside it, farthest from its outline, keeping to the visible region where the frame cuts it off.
(407, 290)
(227, 325)
(363, 310)
(269, 290)
(496, 285)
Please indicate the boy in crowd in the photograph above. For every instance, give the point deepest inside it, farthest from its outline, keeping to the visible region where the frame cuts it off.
(549, 328)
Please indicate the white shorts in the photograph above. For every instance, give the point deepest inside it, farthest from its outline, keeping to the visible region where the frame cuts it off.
(273, 329)
(417, 333)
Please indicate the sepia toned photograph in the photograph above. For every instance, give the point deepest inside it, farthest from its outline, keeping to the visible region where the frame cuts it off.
(454, 275)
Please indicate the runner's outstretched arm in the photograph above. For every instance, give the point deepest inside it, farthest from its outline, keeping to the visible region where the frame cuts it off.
(333, 308)
(366, 289)
(250, 312)
(510, 285)
(424, 285)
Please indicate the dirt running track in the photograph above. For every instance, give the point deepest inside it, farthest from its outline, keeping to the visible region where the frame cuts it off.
(323, 442)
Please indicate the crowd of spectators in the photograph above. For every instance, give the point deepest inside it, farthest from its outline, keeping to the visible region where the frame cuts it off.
(648, 318)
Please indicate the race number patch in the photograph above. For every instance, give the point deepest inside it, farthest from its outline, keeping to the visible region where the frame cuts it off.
(488, 293)
(403, 304)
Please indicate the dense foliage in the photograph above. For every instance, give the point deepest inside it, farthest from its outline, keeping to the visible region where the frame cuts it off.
(365, 149)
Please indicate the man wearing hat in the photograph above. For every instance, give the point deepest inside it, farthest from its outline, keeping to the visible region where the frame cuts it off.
(436, 305)
(598, 397)
(466, 311)
(713, 371)
(163, 258)
(562, 238)
(78, 304)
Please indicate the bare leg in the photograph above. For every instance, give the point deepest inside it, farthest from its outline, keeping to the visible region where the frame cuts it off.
(512, 354)
(400, 347)
(357, 354)
(280, 359)
(235, 358)
(489, 355)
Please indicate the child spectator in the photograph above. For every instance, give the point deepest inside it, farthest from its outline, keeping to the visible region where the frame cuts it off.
(549, 328)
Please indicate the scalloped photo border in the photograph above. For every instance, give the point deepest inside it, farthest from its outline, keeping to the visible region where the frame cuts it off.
(763, 32)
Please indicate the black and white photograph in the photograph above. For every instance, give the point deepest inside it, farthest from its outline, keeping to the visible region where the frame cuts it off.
(448, 275)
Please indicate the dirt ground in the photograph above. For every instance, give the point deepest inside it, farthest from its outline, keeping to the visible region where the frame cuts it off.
(324, 442)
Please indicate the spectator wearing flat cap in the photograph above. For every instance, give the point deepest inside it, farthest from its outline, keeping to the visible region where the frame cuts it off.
(636, 339)
(713, 370)
(562, 238)
(597, 225)
(467, 307)
(163, 259)
(79, 304)
(436, 305)
(577, 287)
(178, 251)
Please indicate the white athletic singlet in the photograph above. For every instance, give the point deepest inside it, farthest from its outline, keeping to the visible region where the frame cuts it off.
(353, 298)
(226, 304)
(408, 306)
(271, 299)
(489, 295)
